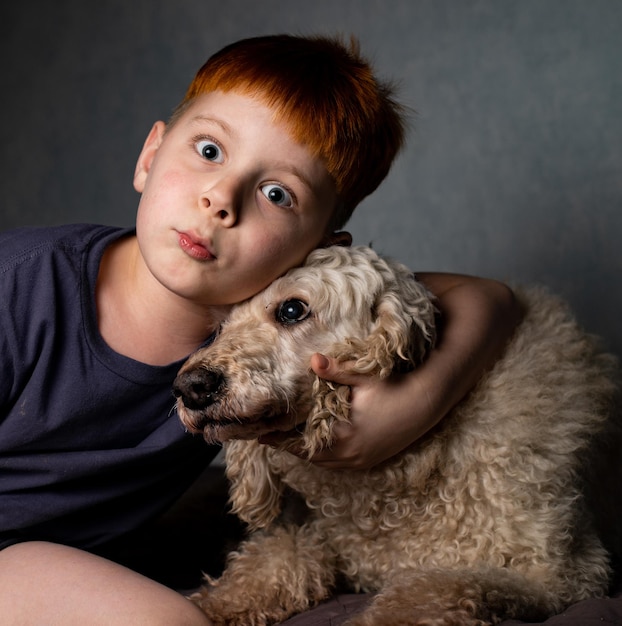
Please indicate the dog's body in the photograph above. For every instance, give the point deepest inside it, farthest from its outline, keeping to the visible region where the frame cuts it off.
(498, 512)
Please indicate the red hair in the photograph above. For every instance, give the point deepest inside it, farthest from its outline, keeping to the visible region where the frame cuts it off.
(328, 96)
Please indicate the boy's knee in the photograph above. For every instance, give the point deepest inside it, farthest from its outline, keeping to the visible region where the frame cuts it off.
(53, 584)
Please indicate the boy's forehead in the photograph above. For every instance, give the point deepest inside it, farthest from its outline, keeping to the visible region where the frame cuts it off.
(205, 105)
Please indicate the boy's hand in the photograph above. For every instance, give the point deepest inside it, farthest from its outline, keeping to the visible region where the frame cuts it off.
(381, 419)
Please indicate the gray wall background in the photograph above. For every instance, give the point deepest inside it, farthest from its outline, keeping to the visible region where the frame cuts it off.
(513, 169)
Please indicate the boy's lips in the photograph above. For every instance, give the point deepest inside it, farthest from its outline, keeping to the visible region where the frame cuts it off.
(195, 246)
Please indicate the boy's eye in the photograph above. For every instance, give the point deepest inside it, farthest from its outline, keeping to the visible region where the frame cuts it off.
(277, 195)
(292, 311)
(209, 150)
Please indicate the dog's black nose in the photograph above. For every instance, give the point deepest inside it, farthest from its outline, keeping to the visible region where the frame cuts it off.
(197, 388)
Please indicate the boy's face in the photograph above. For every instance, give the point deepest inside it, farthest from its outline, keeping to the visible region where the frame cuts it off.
(229, 200)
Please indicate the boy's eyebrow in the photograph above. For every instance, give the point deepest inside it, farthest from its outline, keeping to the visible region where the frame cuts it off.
(292, 169)
(197, 119)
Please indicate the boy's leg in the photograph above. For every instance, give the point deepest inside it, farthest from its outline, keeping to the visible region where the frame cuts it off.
(45, 583)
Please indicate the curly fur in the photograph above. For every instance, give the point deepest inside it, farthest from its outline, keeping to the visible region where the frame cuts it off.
(502, 511)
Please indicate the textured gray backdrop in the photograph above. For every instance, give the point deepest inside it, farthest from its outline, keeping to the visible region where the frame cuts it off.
(513, 169)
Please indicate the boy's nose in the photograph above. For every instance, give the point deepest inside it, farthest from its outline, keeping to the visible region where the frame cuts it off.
(222, 201)
(227, 214)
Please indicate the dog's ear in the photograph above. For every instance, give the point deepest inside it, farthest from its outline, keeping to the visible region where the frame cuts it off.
(331, 404)
(403, 330)
(255, 491)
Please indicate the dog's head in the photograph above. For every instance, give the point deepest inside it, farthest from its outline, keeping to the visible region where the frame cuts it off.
(255, 377)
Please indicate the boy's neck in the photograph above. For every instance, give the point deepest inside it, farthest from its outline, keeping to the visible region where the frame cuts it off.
(144, 321)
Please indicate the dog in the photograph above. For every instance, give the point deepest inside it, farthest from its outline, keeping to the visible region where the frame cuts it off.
(503, 510)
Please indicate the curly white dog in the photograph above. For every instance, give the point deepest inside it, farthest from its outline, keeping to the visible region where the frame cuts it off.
(499, 512)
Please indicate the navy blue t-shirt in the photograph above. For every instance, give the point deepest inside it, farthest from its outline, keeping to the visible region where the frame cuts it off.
(90, 443)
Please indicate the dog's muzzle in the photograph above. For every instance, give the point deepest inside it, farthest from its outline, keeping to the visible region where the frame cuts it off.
(198, 388)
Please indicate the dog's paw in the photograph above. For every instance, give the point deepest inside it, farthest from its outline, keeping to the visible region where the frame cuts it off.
(239, 610)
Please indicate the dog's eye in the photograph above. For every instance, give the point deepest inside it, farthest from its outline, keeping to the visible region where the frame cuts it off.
(292, 311)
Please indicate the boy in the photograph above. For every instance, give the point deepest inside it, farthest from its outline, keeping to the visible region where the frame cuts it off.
(275, 143)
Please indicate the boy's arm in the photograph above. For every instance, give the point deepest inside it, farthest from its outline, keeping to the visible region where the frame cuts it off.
(478, 317)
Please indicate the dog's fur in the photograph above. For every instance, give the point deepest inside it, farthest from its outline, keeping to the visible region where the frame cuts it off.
(487, 517)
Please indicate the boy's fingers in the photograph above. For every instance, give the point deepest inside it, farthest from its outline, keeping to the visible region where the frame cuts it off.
(333, 370)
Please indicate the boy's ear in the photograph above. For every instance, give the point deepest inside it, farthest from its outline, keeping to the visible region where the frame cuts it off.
(340, 238)
(145, 158)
